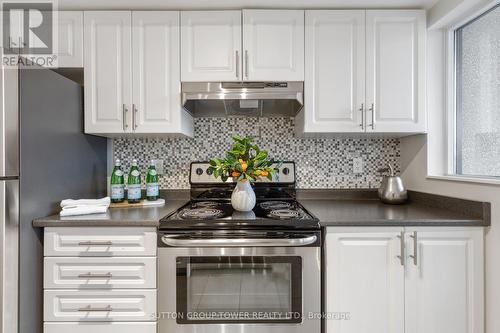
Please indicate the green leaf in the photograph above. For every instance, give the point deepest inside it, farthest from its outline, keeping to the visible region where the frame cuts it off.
(262, 155)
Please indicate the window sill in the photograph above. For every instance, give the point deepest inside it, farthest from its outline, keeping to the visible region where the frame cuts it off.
(467, 179)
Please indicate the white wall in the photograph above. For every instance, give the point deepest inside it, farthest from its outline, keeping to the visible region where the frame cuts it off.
(417, 151)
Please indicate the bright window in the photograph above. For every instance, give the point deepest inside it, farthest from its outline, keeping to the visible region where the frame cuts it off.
(477, 96)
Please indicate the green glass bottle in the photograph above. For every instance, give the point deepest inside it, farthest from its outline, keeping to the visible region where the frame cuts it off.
(117, 183)
(134, 184)
(152, 186)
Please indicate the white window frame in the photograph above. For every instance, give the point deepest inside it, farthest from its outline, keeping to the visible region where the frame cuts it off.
(450, 119)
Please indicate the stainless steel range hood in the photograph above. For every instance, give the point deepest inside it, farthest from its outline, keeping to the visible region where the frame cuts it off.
(254, 99)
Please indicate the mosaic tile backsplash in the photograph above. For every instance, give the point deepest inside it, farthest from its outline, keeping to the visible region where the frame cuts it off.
(325, 162)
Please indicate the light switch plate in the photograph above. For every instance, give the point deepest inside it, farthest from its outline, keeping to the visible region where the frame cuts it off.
(357, 165)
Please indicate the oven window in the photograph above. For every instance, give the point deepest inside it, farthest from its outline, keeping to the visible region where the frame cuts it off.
(239, 289)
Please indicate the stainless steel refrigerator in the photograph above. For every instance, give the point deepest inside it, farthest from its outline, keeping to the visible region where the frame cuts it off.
(45, 157)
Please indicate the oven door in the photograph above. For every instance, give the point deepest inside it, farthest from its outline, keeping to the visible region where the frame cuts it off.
(239, 289)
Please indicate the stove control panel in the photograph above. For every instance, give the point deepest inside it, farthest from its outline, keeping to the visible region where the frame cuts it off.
(200, 174)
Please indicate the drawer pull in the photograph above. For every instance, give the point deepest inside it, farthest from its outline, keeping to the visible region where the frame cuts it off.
(92, 243)
(89, 308)
(95, 275)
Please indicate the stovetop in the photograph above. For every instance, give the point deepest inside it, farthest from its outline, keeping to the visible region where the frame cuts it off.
(210, 205)
(212, 214)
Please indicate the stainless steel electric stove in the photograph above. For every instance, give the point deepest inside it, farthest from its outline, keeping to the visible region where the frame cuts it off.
(224, 271)
(210, 204)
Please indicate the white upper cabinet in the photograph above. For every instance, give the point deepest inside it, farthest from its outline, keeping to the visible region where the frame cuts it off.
(365, 72)
(211, 46)
(334, 71)
(156, 104)
(272, 48)
(70, 39)
(395, 70)
(132, 74)
(444, 286)
(273, 45)
(107, 71)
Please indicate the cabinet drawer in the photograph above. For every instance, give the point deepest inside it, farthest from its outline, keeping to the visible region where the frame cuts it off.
(100, 241)
(109, 273)
(83, 327)
(99, 305)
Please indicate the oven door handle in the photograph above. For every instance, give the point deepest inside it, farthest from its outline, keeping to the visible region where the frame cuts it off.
(173, 240)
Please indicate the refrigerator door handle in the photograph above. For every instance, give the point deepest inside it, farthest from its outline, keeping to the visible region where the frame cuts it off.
(9, 128)
(5, 178)
(9, 280)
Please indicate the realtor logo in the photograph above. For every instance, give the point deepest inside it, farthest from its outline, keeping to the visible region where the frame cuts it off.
(29, 31)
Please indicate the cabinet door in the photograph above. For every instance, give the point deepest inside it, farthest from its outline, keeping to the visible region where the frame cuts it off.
(70, 39)
(107, 71)
(273, 45)
(86, 327)
(99, 273)
(444, 287)
(335, 71)
(364, 280)
(67, 305)
(99, 242)
(211, 46)
(395, 70)
(156, 75)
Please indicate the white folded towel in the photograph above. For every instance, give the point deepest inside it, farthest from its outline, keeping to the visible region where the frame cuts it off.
(72, 207)
(86, 202)
(83, 210)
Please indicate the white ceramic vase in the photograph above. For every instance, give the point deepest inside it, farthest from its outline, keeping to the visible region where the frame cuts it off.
(243, 197)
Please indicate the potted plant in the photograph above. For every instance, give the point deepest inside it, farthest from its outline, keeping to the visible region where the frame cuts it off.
(245, 163)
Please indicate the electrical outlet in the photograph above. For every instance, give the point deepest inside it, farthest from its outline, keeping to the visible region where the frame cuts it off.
(357, 165)
(159, 167)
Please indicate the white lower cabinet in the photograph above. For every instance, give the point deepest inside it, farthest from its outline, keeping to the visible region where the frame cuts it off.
(99, 242)
(444, 284)
(100, 279)
(404, 280)
(107, 273)
(100, 305)
(111, 327)
(364, 278)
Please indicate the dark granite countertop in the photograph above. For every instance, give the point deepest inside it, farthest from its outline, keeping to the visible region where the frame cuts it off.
(362, 208)
(332, 207)
(124, 217)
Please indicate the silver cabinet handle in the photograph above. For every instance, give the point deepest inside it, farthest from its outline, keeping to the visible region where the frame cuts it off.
(237, 64)
(172, 240)
(124, 115)
(372, 109)
(89, 308)
(415, 248)
(90, 275)
(246, 64)
(362, 110)
(401, 257)
(134, 116)
(96, 243)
